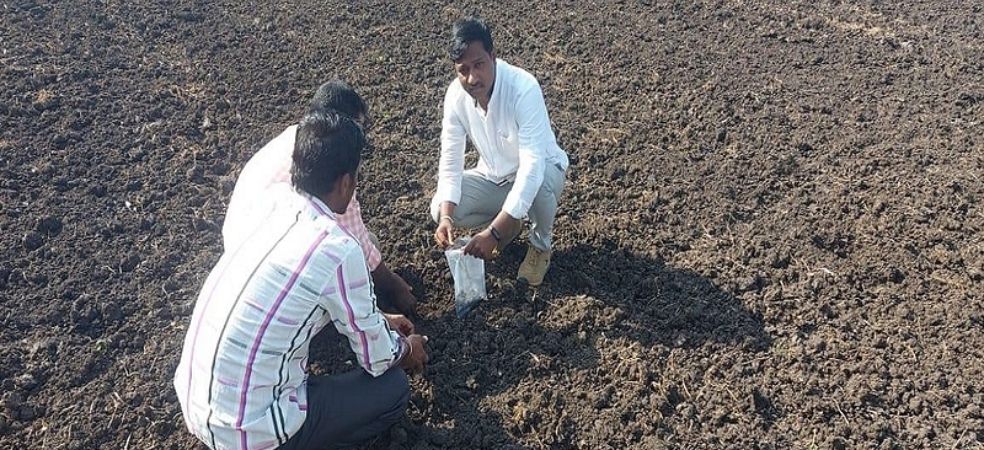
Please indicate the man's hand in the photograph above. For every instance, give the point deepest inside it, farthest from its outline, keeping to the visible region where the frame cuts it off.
(444, 235)
(416, 357)
(400, 323)
(393, 293)
(403, 297)
(482, 245)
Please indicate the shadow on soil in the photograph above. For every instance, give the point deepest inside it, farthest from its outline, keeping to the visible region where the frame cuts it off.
(484, 362)
(659, 304)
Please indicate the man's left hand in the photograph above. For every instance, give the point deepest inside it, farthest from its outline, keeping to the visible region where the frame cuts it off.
(482, 245)
(400, 323)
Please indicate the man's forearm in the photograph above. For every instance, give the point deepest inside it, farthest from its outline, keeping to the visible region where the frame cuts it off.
(383, 278)
(447, 210)
(505, 224)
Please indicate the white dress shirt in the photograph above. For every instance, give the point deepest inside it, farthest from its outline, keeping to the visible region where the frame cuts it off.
(242, 377)
(269, 166)
(514, 139)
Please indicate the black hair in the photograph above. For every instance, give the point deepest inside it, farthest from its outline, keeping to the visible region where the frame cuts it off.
(328, 146)
(339, 96)
(468, 30)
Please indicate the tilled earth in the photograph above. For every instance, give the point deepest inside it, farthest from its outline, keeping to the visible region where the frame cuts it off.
(771, 235)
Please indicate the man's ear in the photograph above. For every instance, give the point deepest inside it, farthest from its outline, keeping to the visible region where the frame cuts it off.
(348, 182)
(341, 183)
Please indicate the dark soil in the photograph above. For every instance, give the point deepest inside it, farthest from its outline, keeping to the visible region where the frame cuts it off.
(771, 235)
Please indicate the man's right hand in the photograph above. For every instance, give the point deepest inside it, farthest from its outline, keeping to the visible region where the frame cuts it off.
(445, 233)
(403, 298)
(416, 358)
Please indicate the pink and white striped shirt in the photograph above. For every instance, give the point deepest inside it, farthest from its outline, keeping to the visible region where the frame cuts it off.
(242, 378)
(269, 166)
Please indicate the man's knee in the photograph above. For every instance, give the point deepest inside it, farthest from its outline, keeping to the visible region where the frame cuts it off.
(545, 203)
(548, 197)
(398, 385)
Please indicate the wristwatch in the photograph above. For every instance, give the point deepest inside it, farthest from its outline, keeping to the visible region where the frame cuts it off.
(495, 233)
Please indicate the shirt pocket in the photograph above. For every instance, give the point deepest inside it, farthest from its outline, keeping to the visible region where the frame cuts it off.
(508, 139)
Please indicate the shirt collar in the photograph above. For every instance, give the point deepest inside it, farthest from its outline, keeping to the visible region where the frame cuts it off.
(317, 205)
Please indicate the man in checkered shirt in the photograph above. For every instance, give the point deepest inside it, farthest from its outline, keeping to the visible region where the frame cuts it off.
(271, 165)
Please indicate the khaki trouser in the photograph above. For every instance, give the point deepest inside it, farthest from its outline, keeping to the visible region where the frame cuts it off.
(481, 201)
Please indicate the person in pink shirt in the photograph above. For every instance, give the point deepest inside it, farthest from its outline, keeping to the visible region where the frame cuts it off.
(271, 166)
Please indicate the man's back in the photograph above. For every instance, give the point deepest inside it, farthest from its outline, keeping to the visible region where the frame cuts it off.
(242, 371)
(250, 201)
(270, 165)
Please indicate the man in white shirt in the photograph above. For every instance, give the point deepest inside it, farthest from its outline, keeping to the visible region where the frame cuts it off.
(242, 380)
(521, 170)
(271, 165)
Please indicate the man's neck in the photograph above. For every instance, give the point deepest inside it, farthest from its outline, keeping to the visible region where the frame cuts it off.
(335, 203)
(484, 103)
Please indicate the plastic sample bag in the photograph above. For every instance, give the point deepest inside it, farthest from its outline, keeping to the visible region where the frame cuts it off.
(469, 278)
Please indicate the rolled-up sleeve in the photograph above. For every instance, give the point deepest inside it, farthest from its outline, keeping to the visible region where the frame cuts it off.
(350, 301)
(534, 136)
(452, 162)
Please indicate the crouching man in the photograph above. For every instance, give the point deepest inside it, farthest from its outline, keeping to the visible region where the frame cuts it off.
(243, 381)
(521, 170)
